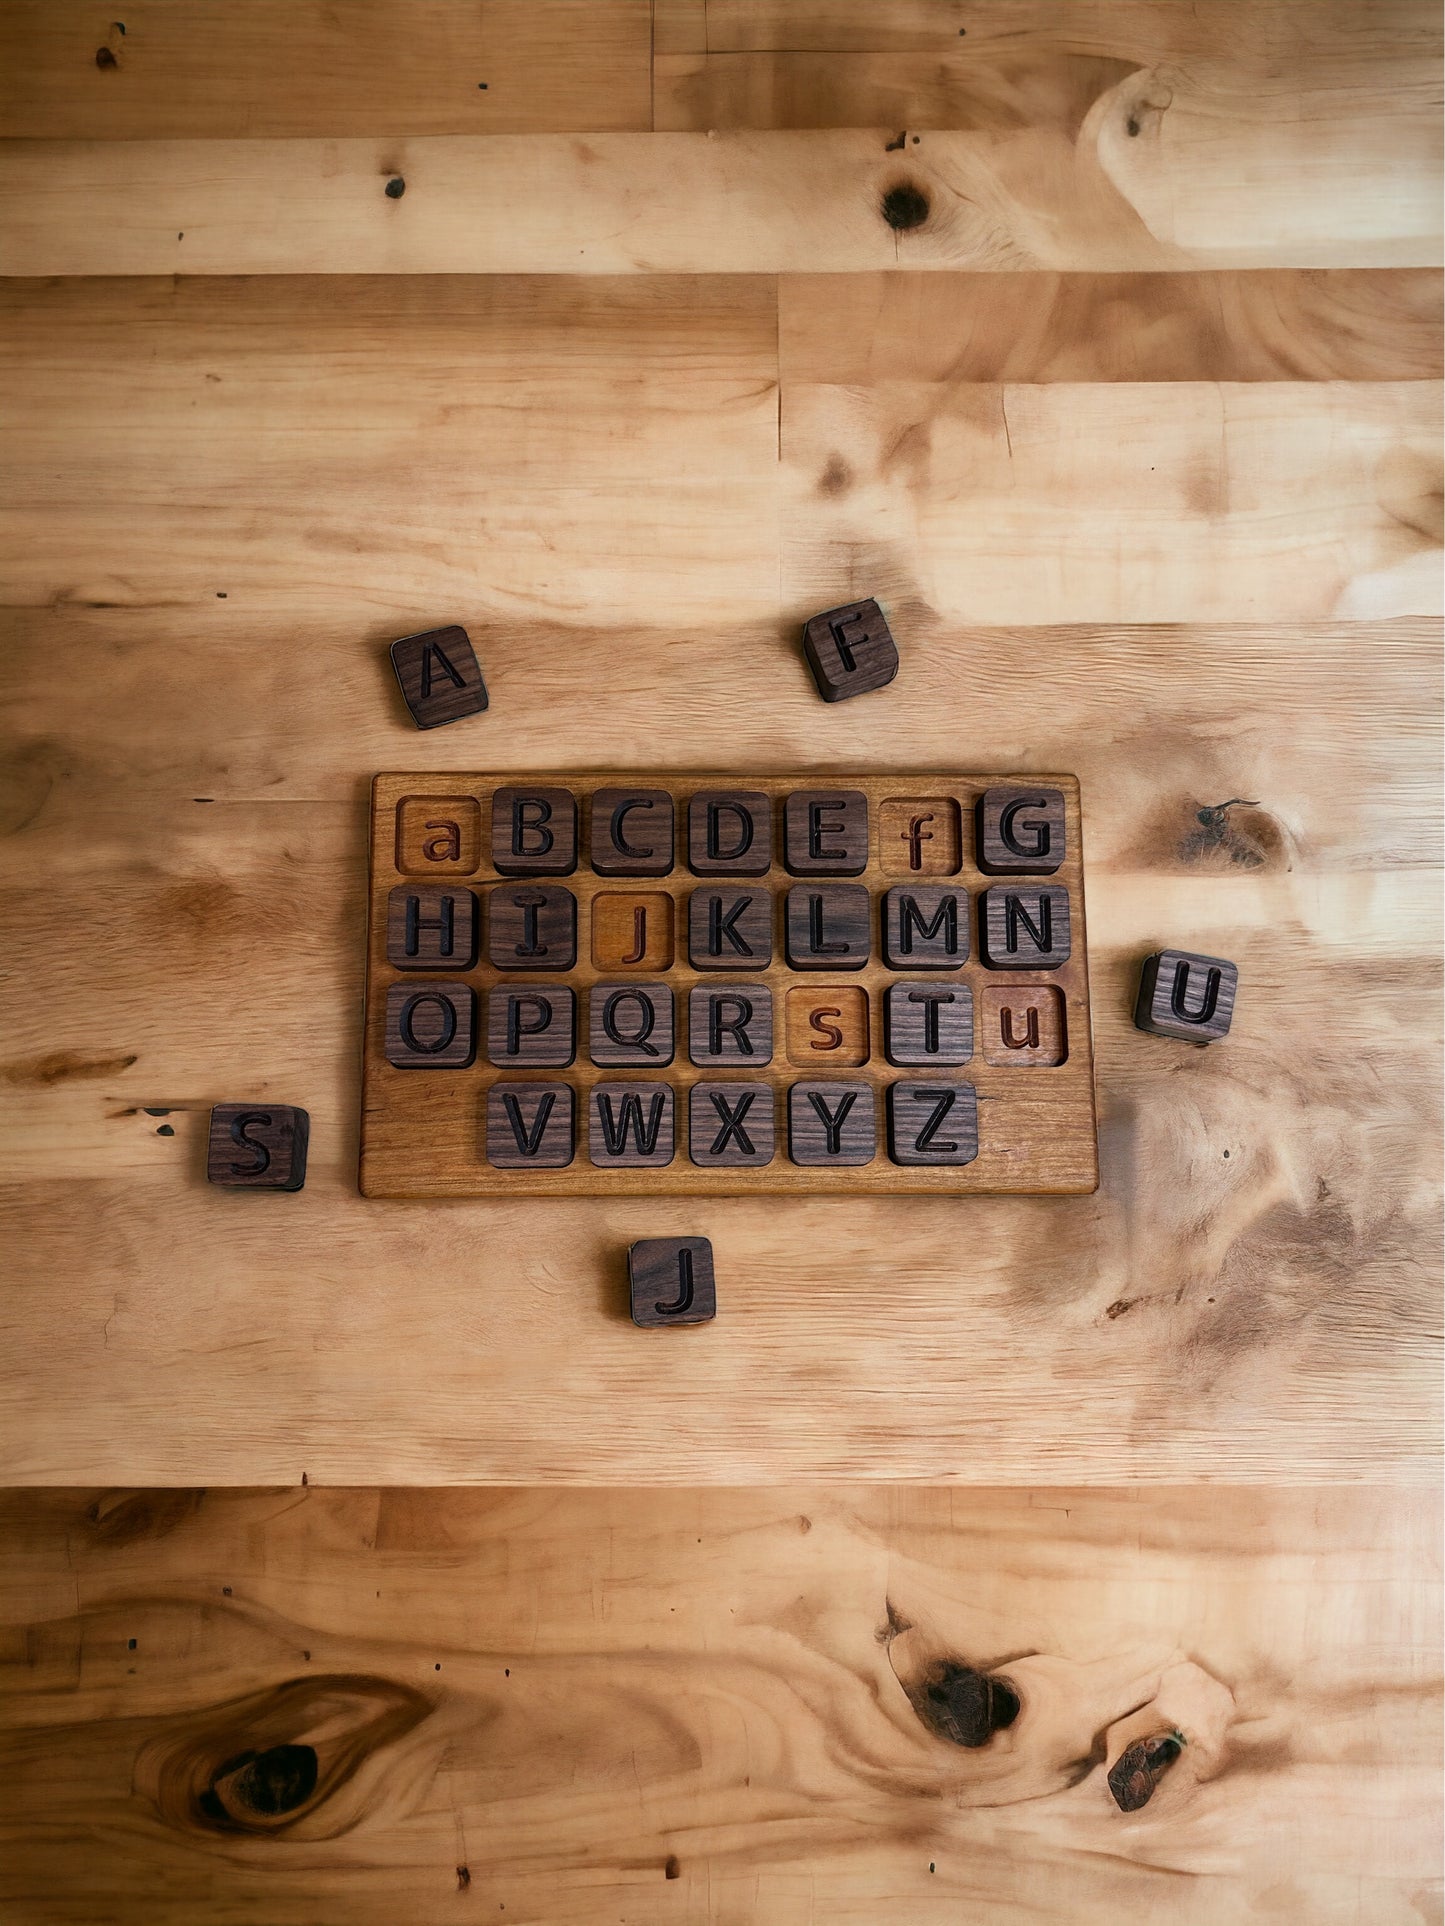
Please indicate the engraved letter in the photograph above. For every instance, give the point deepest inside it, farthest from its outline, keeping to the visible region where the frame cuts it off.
(239, 1127)
(446, 848)
(536, 825)
(833, 1124)
(647, 1019)
(736, 1027)
(732, 1123)
(930, 999)
(1207, 1003)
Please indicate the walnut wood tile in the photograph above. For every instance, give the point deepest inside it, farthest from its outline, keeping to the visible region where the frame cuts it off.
(730, 832)
(631, 832)
(531, 926)
(831, 1124)
(1024, 926)
(1022, 1025)
(440, 677)
(730, 929)
(731, 1125)
(828, 926)
(534, 831)
(1019, 831)
(631, 1125)
(431, 1026)
(932, 1123)
(438, 835)
(531, 1026)
(920, 836)
(850, 650)
(630, 1024)
(257, 1146)
(925, 927)
(730, 1025)
(827, 1026)
(671, 1281)
(1183, 994)
(530, 1126)
(928, 1024)
(432, 927)
(825, 832)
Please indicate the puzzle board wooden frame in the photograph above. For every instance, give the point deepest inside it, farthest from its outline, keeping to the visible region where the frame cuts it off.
(423, 1132)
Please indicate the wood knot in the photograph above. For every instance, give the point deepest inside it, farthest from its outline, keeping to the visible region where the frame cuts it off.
(395, 188)
(261, 1784)
(962, 1705)
(105, 59)
(904, 206)
(1139, 1768)
(276, 1759)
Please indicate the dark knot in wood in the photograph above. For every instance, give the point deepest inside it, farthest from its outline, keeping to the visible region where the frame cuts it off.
(267, 1784)
(904, 206)
(964, 1706)
(1140, 1767)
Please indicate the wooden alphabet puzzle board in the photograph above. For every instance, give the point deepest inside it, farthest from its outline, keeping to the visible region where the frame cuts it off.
(592, 985)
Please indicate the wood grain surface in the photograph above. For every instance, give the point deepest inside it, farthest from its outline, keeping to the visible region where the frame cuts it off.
(1102, 343)
(717, 1706)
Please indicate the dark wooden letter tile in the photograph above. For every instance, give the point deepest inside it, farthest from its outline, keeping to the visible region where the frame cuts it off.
(825, 832)
(1183, 994)
(531, 927)
(439, 676)
(730, 929)
(850, 650)
(730, 833)
(534, 832)
(257, 1146)
(925, 927)
(730, 1125)
(1024, 927)
(630, 1125)
(1020, 832)
(828, 926)
(430, 1026)
(671, 1281)
(932, 1123)
(429, 927)
(928, 1023)
(632, 832)
(631, 1023)
(730, 1023)
(531, 1026)
(832, 1123)
(530, 1125)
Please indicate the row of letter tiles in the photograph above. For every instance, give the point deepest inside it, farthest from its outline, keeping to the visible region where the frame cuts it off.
(532, 1126)
(1018, 830)
(827, 926)
(432, 1025)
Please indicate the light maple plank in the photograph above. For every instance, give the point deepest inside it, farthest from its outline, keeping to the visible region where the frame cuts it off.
(1375, 325)
(1281, 33)
(1207, 119)
(745, 202)
(397, 445)
(1122, 502)
(286, 67)
(705, 1706)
